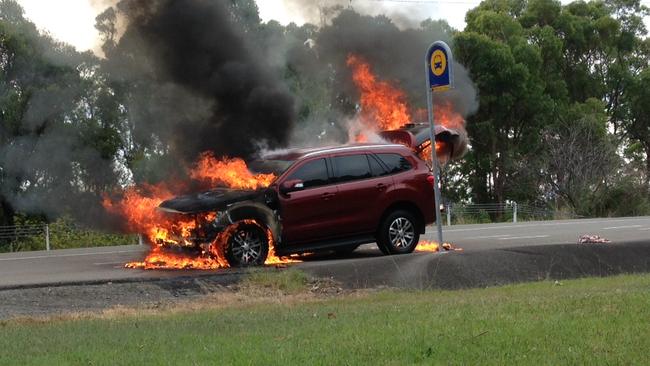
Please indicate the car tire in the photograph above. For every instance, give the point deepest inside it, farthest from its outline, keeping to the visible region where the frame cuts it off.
(398, 233)
(248, 245)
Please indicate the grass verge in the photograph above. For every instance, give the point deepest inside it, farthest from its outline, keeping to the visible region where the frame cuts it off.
(587, 321)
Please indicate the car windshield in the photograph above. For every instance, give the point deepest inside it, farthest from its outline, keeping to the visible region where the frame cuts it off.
(269, 166)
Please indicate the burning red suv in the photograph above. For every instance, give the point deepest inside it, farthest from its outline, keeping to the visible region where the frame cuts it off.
(322, 199)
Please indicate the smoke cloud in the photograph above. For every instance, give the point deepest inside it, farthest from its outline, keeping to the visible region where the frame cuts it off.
(404, 15)
(396, 55)
(216, 93)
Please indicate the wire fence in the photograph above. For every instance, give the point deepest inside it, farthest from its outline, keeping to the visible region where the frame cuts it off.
(458, 213)
(58, 235)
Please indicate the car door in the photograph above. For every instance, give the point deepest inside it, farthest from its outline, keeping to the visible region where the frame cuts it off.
(362, 182)
(309, 214)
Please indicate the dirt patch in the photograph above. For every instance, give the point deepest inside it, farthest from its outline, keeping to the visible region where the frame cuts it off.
(115, 299)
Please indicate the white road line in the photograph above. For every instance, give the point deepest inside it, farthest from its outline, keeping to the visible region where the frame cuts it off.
(621, 227)
(107, 263)
(577, 222)
(487, 236)
(645, 229)
(69, 255)
(525, 237)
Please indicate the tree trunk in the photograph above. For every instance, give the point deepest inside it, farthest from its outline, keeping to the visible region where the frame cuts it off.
(647, 165)
(6, 212)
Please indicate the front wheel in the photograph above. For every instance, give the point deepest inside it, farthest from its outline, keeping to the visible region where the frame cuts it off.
(248, 245)
(398, 233)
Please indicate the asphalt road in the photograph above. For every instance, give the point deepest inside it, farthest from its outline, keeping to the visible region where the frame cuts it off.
(505, 235)
(106, 264)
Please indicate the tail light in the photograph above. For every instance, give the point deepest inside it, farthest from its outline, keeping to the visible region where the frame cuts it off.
(430, 179)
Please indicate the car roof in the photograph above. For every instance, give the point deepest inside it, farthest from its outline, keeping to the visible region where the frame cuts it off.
(299, 153)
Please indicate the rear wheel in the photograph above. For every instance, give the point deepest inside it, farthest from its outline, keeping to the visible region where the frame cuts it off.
(398, 233)
(248, 245)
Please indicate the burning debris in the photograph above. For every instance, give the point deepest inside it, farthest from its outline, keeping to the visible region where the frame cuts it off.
(432, 246)
(592, 239)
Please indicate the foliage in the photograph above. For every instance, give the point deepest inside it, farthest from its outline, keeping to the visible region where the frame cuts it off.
(64, 234)
(586, 321)
(553, 80)
(562, 119)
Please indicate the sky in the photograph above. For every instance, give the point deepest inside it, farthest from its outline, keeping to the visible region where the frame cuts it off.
(72, 21)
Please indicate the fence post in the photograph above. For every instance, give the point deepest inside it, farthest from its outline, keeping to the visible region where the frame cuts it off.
(47, 237)
(448, 214)
(140, 242)
(514, 212)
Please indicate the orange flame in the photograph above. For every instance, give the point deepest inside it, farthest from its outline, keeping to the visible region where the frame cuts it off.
(231, 173)
(138, 208)
(432, 246)
(382, 105)
(213, 258)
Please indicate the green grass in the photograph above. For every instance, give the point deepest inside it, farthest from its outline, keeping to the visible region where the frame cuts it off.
(589, 321)
(290, 281)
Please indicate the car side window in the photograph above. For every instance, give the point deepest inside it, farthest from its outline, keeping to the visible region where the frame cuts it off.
(351, 167)
(395, 162)
(312, 174)
(376, 168)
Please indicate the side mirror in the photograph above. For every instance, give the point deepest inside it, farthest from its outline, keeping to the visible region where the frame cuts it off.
(291, 186)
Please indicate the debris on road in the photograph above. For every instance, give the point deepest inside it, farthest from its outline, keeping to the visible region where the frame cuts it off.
(432, 246)
(592, 239)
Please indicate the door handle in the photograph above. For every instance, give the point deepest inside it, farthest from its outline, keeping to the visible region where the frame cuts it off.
(381, 186)
(327, 195)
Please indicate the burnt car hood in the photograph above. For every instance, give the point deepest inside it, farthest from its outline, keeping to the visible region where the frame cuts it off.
(215, 200)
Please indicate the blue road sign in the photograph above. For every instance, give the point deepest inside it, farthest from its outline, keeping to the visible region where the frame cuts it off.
(439, 65)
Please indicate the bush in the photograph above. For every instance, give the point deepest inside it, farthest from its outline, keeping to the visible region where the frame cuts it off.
(64, 234)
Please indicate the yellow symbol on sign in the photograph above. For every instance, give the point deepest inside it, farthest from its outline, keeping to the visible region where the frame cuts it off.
(438, 62)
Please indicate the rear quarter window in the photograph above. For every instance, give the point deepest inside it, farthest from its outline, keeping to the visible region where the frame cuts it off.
(395, 162)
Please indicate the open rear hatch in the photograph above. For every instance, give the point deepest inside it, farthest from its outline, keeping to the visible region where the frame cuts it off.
(452, 143)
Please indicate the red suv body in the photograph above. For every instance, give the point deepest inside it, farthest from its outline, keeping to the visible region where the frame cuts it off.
(324, 199)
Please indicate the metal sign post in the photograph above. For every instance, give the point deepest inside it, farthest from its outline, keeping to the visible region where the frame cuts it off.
(438, 68)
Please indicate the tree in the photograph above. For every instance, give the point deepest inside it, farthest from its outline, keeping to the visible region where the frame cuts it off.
(637, 125)
(514, 105)
(581, 157)
(543, 70)
(57, 141)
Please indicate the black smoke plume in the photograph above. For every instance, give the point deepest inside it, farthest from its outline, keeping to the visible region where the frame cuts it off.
(213, 91)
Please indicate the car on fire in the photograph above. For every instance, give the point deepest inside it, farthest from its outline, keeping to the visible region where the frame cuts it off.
(328, 198)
